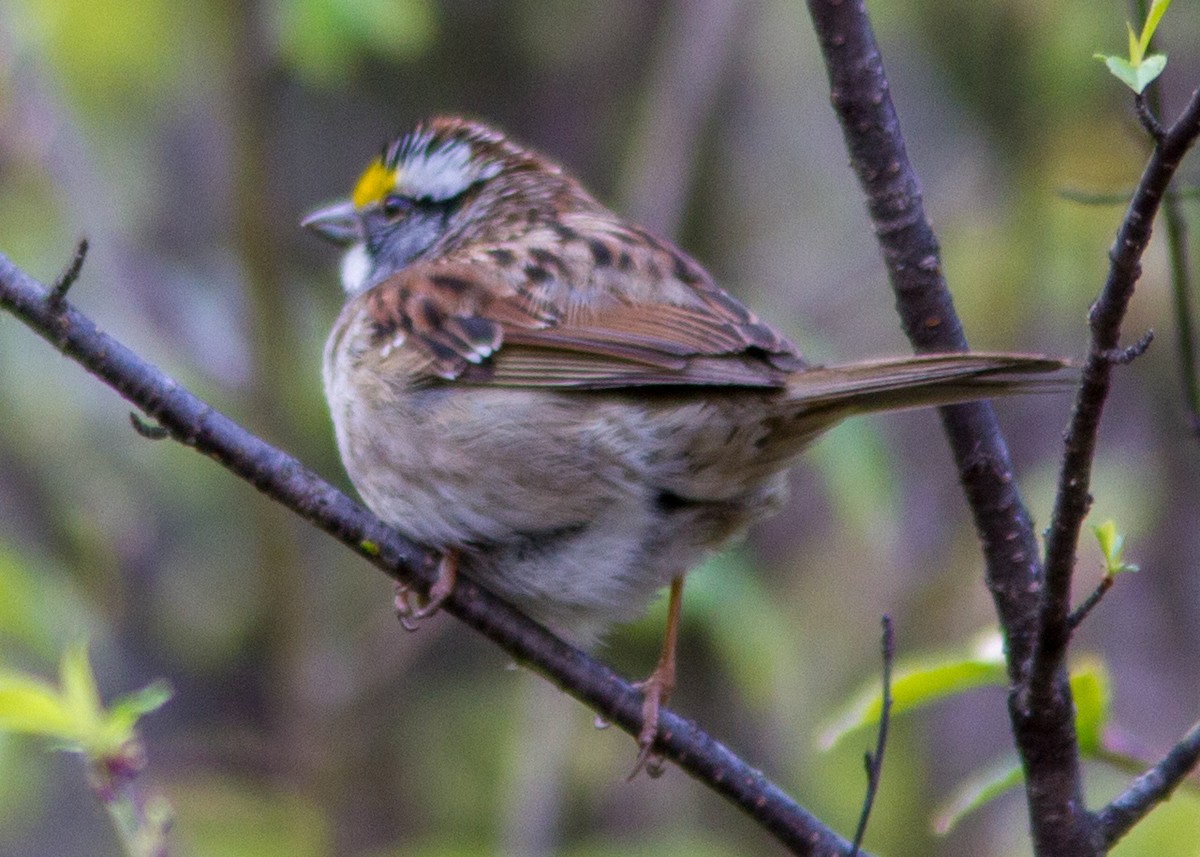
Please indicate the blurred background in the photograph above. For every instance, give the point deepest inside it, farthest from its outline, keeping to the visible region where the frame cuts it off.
(187, 140)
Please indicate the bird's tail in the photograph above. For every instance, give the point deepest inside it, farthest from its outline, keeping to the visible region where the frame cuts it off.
(923, 380)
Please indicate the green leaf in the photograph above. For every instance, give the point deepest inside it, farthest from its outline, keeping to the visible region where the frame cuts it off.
(1091, 689)
(31, 706)
(1136, 77)
(1157, 9)
(1139, 70)
(1136, 49)
(126, 710)
(79, 692)
(72, 714)
(917, 683)
(1149, 69)
(1112, 546)
(975, 792)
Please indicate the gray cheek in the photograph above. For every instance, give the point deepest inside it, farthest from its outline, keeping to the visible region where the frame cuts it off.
(395, 245)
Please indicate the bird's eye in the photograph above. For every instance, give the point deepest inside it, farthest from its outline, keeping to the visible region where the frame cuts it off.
(394, 205)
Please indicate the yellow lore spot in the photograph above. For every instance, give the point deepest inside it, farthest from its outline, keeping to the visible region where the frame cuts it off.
(373, 185)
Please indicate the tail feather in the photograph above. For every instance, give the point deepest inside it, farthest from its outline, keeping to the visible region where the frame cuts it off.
(920, 381)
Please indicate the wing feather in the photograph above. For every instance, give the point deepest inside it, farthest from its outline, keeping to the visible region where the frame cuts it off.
(484, 324)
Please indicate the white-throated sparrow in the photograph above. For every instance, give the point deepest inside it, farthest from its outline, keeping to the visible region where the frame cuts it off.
(561, 403)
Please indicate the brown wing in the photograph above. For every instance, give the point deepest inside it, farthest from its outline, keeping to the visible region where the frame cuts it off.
(521, 326)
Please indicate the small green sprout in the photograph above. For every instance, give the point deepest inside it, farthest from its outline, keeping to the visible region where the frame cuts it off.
(1140, 69)
(1112, 545)
(71, 714)
(72, 717)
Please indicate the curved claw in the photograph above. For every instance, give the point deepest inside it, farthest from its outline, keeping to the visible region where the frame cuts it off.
(404, 607)
(408, 607)
(656, 689)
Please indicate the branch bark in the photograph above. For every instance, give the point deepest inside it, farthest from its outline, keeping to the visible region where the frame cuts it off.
(1150, 789)
(1107, 313)
(1046, 737)
(193, 423)
(1073, 499)
(1032, 600)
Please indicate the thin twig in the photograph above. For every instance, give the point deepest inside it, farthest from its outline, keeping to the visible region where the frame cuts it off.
(145, 429)
(284, 479)
(1150, 789)
(1145, 115)
(1125, 356)
(873, 762)
(1089, 604)
(1045, 689)
(1072, 500)
(58, 292)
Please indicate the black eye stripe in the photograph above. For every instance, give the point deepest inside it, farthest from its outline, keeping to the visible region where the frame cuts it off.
(394, 204)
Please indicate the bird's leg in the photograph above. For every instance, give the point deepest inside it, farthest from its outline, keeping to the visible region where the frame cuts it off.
(656, 688)
(410, 606)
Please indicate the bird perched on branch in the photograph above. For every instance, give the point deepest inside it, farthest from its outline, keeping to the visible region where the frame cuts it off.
(563, 405)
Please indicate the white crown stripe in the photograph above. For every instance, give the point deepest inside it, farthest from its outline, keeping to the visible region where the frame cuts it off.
(426, 169)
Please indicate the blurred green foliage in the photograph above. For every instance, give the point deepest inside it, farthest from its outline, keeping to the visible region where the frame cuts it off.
(70, 716)
(70, 713)
(186, 141)
(325, 40)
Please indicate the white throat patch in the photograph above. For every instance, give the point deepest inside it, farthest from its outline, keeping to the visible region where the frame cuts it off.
(356, 267)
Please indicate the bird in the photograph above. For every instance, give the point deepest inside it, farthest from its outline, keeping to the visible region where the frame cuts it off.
(562, 405)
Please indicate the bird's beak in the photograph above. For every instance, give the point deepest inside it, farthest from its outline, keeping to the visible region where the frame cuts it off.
(338, 223)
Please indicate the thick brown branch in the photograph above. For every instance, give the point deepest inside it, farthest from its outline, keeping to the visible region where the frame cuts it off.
(1045, 737)
(285, 480)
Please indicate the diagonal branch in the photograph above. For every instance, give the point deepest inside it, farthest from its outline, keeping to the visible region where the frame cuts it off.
(285, 480)
(1150, 789)
(1073, 500)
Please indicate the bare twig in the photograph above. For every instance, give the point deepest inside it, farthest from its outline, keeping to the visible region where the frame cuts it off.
(1145, 115)
(1089, 604)
(873, 762)
(1150, 789)
(147, 430)
(859, 92)
(281, 477)
(58, 292)
(1125, 356)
